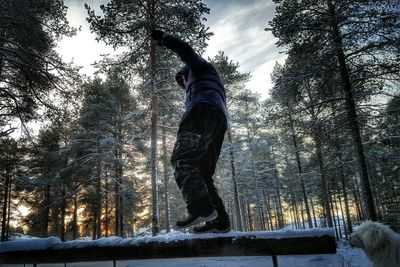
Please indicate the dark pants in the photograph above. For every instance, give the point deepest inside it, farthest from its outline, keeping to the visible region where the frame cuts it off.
(196, 152)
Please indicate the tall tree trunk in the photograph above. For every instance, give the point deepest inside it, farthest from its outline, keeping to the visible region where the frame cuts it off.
(333, 216)
(97, 217)
(360, 216)
(75, 218)
(256, 184)
(250, 219)
(253, 172)
(106, 205)
(296, 215)
(292, 218)
(166, 181)
(63, 210)
(268, 209)
(278, 221)
(376, 189)
(118, 186)
(117, 194)
(299, 168)
(317, 137)
(344, 221)
(352, 114)
(154, 118)
(234, 181)
(54, 213)
(121, 195)
(259, 202)
(345, 196)
(1, 60)
(120, 173)
(325, 192)
(281, 222)
(232, 216)
(117, 209)
(313, 212)
(46, 211)
(302, 215)
(295, 210)
(337, 216)
(5, 205)
(9, 210)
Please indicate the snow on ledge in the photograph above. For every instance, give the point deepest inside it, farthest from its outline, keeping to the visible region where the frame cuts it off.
(176, 235)
(29, 244)
(173, 236)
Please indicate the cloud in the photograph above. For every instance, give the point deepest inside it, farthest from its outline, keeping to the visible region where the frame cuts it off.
(83, 49)
(238, 28)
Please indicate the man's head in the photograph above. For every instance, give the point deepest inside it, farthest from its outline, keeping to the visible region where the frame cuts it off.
(181, 77)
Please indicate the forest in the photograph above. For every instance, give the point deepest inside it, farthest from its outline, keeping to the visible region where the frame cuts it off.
(323, 150)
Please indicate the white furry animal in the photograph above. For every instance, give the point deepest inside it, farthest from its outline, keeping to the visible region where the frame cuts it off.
(380, 243)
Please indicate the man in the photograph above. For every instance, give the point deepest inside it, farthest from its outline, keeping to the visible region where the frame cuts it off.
(200, 136)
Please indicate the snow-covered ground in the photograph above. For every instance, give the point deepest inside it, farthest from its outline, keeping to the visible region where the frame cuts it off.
(345, 257)
(354, 258)
(351, 257)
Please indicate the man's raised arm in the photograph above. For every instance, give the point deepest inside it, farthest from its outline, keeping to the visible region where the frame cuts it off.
(179, 47)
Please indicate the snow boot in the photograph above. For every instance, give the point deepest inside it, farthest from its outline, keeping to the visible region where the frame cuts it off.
(214, 226)
(193, 219)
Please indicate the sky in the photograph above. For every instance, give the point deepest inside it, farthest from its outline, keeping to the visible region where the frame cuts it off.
(238, 27)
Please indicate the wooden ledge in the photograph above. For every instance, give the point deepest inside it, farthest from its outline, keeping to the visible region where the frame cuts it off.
(231, 244)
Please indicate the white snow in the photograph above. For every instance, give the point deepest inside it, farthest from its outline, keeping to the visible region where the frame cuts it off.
(29, 244)
(15, 236)
(176, 235)
(55, 243)
(358, 259)
(351, 257)
(102, 242)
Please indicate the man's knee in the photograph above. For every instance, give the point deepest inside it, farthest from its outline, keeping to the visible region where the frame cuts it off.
(185, 168)
(188, 145)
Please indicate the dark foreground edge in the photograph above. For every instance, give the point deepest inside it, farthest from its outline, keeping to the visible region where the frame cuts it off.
(211, 247)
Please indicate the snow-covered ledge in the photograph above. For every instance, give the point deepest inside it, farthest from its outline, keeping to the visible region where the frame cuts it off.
(171, 245)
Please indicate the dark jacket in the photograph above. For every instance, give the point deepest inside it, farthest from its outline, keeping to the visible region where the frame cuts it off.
(203, 81)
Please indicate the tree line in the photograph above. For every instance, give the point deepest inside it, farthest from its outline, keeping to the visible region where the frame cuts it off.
(322, 151)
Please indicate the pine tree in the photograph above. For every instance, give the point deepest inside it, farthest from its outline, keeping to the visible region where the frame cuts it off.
(361, 36)
(388, 150)
(128, 24)
(122, 106)
(10, 161)
(43, 187)
(30, 69)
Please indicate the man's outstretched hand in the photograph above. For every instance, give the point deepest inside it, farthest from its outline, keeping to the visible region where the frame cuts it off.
(157, 35)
